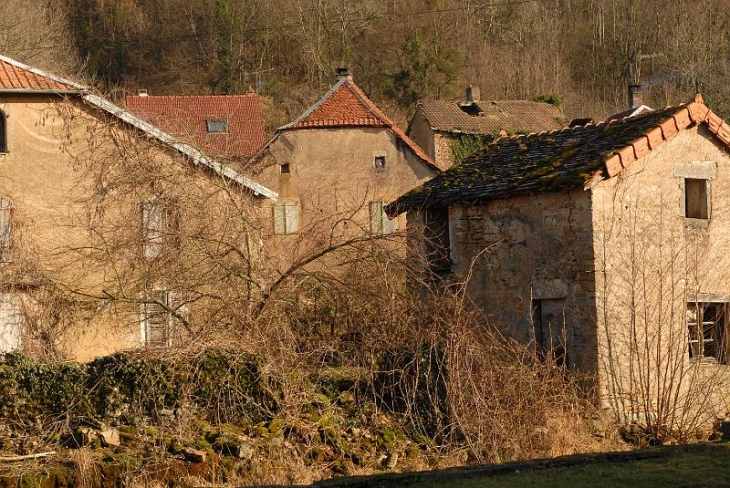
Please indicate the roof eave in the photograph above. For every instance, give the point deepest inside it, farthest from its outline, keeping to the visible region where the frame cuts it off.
(31, 91)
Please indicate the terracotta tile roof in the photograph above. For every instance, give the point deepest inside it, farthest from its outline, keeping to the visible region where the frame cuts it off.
(346, 105)
(490, 117)
(17, 76)
(186, 117)
(631, 112)
(558, 160)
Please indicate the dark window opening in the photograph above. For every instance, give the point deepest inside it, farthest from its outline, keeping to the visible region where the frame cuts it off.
(380, 162)
(548, 320)
(3, 133)
(437, 242)
(471, 109)
(285, 169)
(706, 324)
(217, 126)
(695, 199)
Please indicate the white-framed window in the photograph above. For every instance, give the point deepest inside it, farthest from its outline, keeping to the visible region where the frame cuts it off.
(160, 222)
(6, 221)
(380, 224)
(156, 318)
(286, 218)
(696, 198)
(707, 329)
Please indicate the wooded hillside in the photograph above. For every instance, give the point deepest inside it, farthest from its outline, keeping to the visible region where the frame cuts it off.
(585, 51)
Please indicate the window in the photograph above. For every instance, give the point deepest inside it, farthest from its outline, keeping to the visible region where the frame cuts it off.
(285, 169)
(217, 126)
(156, 319)
(548, 320)
(3, 132)
(380, 224)
(160, 222)
(11, 322)
(286, 218)
(6, 215)
(696, 201)
(706, 323)
(380, 162)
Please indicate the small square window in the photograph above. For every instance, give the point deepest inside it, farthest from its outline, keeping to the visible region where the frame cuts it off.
(380, 162)
(217, 126)
(285, 169)
(696, 201)
(706, 323)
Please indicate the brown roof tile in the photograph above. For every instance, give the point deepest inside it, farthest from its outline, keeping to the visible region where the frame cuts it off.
(559, 160)
(493, 116)
(185, 117)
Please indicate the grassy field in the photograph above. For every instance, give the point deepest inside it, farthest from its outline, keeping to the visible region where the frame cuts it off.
(702, 465)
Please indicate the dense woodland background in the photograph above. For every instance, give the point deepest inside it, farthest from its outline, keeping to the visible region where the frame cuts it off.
(585, 51)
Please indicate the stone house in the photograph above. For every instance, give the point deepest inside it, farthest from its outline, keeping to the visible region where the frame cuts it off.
(229, 128)
(98, 211)
(603, 246)
(336, 166)
(438, 124)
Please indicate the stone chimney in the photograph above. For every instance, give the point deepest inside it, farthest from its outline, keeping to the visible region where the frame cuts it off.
(343, 73)
(472, 94)
(636, 98)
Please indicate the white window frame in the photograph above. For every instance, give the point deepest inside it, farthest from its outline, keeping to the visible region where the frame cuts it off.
(286, 218)
(380, 224)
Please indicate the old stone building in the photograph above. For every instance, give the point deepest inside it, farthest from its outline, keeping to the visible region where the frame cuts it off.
(438, 124)
(106, 222)
(603, 246)
(336, 166)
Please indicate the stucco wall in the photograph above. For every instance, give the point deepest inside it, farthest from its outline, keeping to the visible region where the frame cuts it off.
(530, 248)
(77, 180)
(332, 174)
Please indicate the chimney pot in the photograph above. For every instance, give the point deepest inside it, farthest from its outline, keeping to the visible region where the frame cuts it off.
(343, 73)
(636, 98)
(472, 94)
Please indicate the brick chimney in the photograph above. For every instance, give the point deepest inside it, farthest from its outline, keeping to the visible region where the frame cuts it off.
(472, 94)
(343, 73)
(636, 98)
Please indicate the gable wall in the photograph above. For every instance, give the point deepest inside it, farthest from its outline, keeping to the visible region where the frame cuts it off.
(650, 261)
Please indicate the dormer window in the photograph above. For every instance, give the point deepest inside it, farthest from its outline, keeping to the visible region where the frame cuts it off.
(380, 162)
(217, 126)
(3, 133)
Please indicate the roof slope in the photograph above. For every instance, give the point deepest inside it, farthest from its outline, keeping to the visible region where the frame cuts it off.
(559, 160)
(492, 116)
(17, 76)
(345, 105)
(185, 117)
(25, 79)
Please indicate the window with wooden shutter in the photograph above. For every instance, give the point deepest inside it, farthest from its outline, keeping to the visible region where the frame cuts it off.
(156, 319)
(380, 224)
(160, 222)
(286, 218)
(6, 216)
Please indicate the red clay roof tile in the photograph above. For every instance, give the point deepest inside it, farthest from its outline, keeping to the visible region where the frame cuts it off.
(16, 76)
(186, 117)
